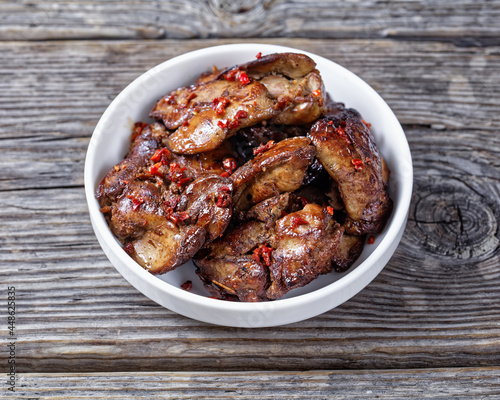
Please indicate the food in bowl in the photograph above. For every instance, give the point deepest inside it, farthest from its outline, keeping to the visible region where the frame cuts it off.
(255, 174)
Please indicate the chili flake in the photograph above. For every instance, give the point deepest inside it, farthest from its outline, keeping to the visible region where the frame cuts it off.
(187, 286)
(329, 210)
(259, 55)
(223, 123)
(219, 105)
(138, 128)
(182, 216)
(155, 169)
(296, 221)
(129, 248)
(263, 147)
(229, 164)
(366, 124)
(136, 203)
(231, 75)
(358, 164)
(243, 78)
(160, 155)
(316, 93)
(263, 252)
(225, 174)
(241, 114)
(370, 240)
(341, 132)
(170, 99)
(223, 197)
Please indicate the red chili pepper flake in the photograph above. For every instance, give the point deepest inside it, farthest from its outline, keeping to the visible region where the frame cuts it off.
(182, 216)
(225, 174)
(182, 181)
(136, 203)
(263, 147)
(171, 202)
(296, 221)
(161, 155)
(219, 105)
(170, 99)
(185, 123)
(243, 78)
(222, 123)
(176, 174)
(341, 132)
(235, 123)
(155, 169)
(124, 182)
(263, 252)
(231, 75)
(241, 114)
(316, 93)
(367, 124)
(370, 240)
(138, 128)
(191, 96)
(223, 200)
(329, 210)
(129, 248)
(187, 286)
(259, 55)
(173, 218)
(330, 122)
(229, 164)
(223, 196)
(358, 164)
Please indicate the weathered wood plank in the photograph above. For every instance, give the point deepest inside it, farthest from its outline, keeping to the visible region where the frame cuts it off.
(463, 21)
(459, 383)
(434, 305)
(52, 94)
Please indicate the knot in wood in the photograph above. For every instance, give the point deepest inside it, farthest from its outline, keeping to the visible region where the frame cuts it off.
(453, 220)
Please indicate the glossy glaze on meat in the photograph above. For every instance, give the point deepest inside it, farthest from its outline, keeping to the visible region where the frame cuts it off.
(256, 175)
(280, 88)
(347, 150)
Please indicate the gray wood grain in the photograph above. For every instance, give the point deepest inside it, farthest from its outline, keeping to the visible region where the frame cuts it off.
(464, 22)
(443, 384)
(434, 306)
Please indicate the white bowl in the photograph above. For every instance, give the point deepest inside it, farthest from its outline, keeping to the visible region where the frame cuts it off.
(109, 144)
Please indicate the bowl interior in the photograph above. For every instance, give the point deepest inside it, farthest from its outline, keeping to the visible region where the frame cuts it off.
(110, 141)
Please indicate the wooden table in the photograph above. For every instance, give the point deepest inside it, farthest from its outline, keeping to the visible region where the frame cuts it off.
(428, 327)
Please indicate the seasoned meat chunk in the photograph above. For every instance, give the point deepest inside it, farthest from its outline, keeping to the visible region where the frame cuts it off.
(284, 88)
(146, 139)
(299, 100)
(162, 219)
(163, 234)
(217, 110)
(349, 249)
(347, 150)
(280, 168)
(303, 247)
(274, 254)
(226, 269)
(291, 65)
(255, 174)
